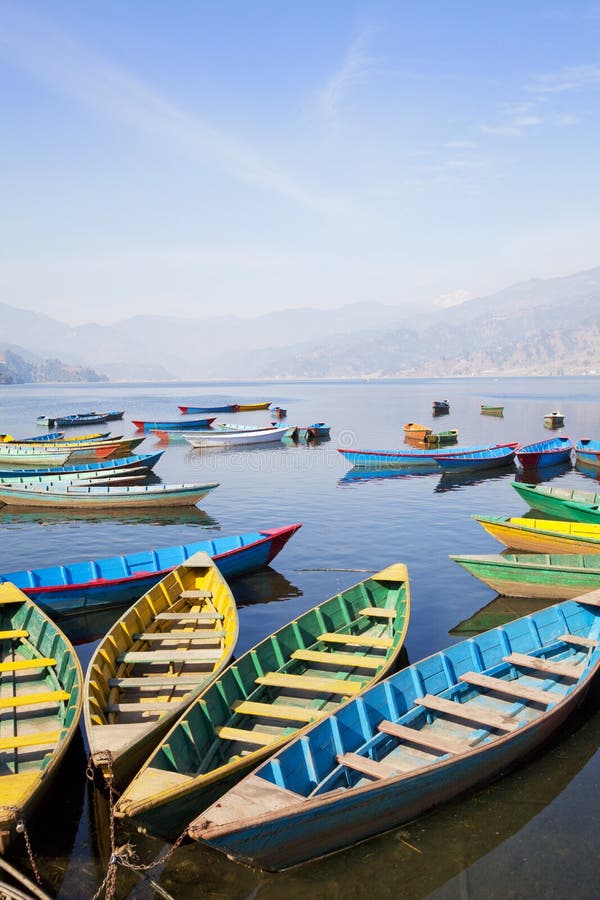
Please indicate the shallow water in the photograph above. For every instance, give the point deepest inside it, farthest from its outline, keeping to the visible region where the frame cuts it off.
(533, 833)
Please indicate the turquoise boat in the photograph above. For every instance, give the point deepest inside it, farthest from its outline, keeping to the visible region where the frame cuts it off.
(588, 452)
(421, 737)
(493, 458)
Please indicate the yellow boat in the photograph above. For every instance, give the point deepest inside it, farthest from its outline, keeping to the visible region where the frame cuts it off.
(167, 648)
(41, 691)
(249, 407)
(542, 535)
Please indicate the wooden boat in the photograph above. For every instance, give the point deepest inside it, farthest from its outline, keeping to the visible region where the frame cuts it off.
(74, 496)
(279, 412)
(235, 426)
(440, 407)
(480, 459)
(426, 734)
(548, 576)
(81, 419)
(73, 588)
(491, 410)
(207, 409)
(112, 416)
(416, 432)
(249, 407)
(544, 453)
(304, 670)
(588, 452)
(33, 455)
(554, 419)
(105, 449)
(582, 511)
(552, 499)
(40, 702)
(542, 535)
(441, 437)
(173, 426)
(56, 437)
(170, 645)
(227, 438)
(313, 432)
(381, 459)
(82, 470)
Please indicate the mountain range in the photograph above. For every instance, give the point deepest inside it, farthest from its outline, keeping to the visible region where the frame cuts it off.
(537, 327)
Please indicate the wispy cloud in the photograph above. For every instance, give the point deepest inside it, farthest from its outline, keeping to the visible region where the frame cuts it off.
(354, 70)
(572, 78)
(63, 65)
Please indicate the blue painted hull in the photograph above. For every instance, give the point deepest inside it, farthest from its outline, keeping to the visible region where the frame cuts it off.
(545, 453)
(378, 459)
(78, 587)
(173, 426)
(207, 409)
(311, 800)
(486, 459)
(148, 460)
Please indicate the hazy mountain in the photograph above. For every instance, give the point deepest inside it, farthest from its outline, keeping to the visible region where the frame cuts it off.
(24, 367)
(541, 326)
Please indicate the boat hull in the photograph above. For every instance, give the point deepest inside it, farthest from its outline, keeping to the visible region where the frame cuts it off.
(133, 497)
(543, 535)
(234, 438)
(539, 576)
(173, 426)
(380, 459)
(554, 500)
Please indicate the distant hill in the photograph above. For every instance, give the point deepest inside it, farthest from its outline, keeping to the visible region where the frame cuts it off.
(537, 327)
(25, 368)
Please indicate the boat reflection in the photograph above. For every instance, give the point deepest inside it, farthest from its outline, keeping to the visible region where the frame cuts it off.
(546, 473)
(358, 474)
(498, 611)
(588, 470)
(455, 481)
(188, 515)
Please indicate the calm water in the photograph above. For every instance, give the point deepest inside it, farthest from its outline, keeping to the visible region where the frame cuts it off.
(533, 833)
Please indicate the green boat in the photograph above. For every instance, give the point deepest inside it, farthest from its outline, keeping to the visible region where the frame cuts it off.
(40, 705)
(442, 437)
(554, 500)
(491, 410)
(547, 576)
(584, 512)
(294, 677)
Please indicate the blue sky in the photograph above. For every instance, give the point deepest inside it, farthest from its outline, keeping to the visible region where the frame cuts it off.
(199, 158)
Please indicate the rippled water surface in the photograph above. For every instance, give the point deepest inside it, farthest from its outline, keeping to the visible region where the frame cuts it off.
(532, 833)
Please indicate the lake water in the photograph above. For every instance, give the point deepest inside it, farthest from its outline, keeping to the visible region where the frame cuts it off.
(532, 833)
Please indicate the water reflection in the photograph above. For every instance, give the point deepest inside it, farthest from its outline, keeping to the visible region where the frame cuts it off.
(358, 474)
(545, 473)
(455, 481)
(498, 611)
(588, 470)
(265, 586)
(189, 515)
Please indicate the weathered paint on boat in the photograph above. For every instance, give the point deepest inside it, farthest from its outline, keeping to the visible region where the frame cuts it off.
(270, 694)
(554, 419)
(545, 453)
(552, 499)
(146, 425)
(89, 497)
(480, 459)
(542, 535)
(169, 646)
(426, 734)
(40, 703)
(588, 452)
(32, 455)
(71, 588)
(547, 576)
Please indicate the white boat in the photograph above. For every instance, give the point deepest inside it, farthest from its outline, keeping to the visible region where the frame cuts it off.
(231, 438)
(90, 497)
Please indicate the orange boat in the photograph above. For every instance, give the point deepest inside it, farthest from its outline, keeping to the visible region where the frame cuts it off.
(417, 432)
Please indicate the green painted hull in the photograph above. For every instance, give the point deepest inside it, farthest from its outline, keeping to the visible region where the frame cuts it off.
(546, 576)
(554, 500)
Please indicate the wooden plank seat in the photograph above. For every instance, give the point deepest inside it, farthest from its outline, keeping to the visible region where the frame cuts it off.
(562, 669)
(33, 699)
(194, 616)
(260, 738)
(137, 707)
(338, 659)
(367, 766)
(577, 640)
(162, 656)
(310, 683)
(361, 640)
(423, 738)
(204, 635)
(13, 634)
(41, 739)
(155, 681)
(196, 595)
(377, 612)
(510, 688)
(591, 599)
(470, 711)
(20, 665)
(275, 711)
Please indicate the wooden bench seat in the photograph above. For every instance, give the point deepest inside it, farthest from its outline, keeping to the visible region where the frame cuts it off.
(155, 682)
(338, 659)
(155, 657)
(203, 635)
(138, 707)
(41, 739)
(377, 612)
(577, 640)
(510, 688)
(13, 635)
(20, 665)
(310, 683)
(260, 738)
(275, 711)
(469, 711)
(367, 766)
(423, 738)
(194, 616)
(196, 595)
(33, 699)
(361, 640)
(562, 669)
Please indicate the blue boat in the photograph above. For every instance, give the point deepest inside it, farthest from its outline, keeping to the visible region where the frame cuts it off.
(143, 425)
(588, 452)
(146, 460)
(424, 735)
(314, 431)
(544, 453)
(207, 409)
(77, 419)
(378, 459)
(481, 459)
(72, 588)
